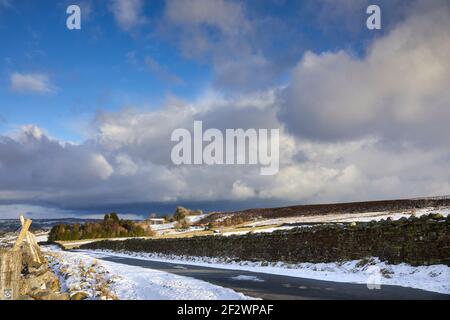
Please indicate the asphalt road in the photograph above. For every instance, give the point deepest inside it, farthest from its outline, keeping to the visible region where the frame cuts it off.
(269, 286)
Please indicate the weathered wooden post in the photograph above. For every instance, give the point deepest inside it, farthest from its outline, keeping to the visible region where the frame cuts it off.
(11, 265)
(22, 235)
(33, 246)
(10, 269)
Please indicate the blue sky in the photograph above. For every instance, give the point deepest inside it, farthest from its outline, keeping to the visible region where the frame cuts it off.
(103, 67)
(86, 115)
(90, 69)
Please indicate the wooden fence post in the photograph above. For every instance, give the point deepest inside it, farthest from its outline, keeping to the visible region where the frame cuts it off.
(22, 235)
(32, 242)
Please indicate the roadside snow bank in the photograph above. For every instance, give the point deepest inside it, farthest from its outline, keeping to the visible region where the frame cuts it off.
(81, 272)
(431, 278)
(81, 276)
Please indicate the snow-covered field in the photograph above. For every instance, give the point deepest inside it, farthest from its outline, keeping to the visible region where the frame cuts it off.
(42, 237)
(171, 225)
(351, 217)
(267, 230)
(196, 218)
(431, 278)
(163, 226)
(7, 240)
(83, 272)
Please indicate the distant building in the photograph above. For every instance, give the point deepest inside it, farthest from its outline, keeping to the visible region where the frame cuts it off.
(153, 221)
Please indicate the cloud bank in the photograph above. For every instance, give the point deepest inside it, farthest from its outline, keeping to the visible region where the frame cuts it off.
(397, 91)
(353, 127)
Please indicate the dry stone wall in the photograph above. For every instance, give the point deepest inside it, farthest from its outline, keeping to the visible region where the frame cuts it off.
(417, 241)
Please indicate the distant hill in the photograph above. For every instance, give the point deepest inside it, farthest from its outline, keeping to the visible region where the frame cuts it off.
(11, 225)
(236, 217)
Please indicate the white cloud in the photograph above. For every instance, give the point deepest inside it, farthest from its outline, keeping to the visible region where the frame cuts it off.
(397, 91)
(248, 73)
(128, 13)
(128, 160)
(101, 167)
(31, 131)
(31, 83)
(241, 191)
(224, 15)
(237, 40)
(125, 165)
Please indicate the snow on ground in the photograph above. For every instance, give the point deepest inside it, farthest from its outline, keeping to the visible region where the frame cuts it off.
(243, 277)
(190, 229)
(431, 278)
(196, 218)
(81, 242)
(8, 240)
(352, 217)
(81, 271)
(163, 226)
(171, 225)
(140, 283)
(80, 275)
(267, 230)
(42, 237)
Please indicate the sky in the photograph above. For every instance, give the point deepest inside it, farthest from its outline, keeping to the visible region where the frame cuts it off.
(86, 115)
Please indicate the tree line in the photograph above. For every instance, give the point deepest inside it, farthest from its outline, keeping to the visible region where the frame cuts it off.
(110, 227)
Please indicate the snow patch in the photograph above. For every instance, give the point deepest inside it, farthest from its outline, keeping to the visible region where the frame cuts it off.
(242, 277)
